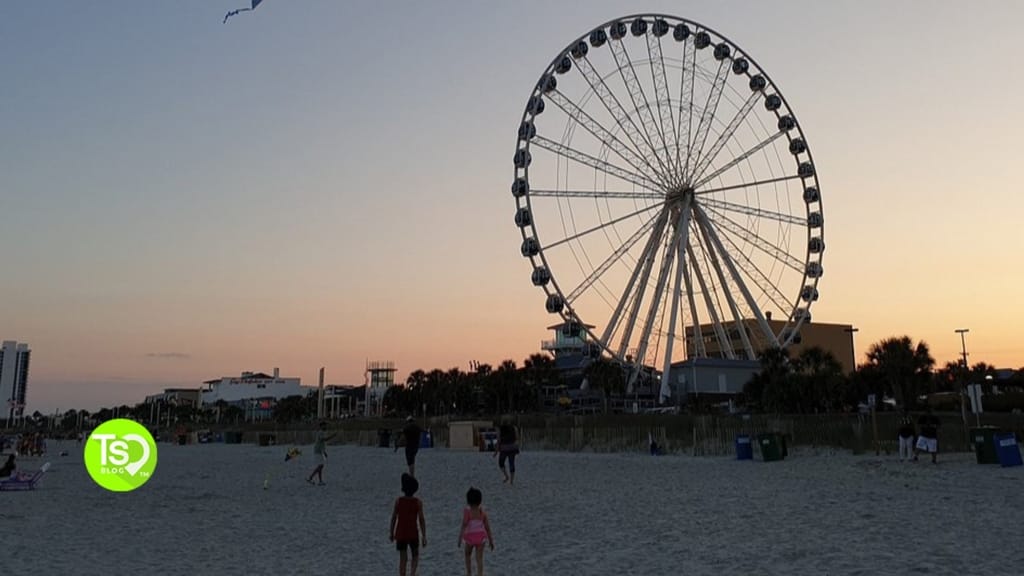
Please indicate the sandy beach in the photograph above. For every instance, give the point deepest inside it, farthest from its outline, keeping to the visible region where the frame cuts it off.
(205, 512)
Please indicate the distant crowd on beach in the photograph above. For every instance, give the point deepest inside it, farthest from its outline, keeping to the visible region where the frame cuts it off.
(28, 444)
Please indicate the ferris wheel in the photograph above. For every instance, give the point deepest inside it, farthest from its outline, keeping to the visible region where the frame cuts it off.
(666, 195)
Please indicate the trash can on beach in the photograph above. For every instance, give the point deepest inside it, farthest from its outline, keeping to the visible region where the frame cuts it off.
(426, 440)
(983, 440)
(383, 438)
(488, 440)
(744, 449)
(771, 445)
(1007, 450)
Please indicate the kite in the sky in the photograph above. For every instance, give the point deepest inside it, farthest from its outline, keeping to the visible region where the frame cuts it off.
(255, 3)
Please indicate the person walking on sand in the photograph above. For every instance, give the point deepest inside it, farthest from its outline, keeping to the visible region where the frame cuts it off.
(508, 447)
(408, 526)
(320, 453)
(906, 436)
(476, 529)
(928, 441)
(411, 433)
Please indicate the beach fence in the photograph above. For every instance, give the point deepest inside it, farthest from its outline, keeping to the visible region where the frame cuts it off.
(698, 435)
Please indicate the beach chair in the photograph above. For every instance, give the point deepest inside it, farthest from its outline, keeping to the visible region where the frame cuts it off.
(26, 483)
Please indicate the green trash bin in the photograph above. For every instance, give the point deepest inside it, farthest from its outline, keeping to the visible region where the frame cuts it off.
(771, 444)
(983, 439)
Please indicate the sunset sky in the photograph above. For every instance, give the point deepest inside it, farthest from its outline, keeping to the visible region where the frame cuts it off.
(322, 183)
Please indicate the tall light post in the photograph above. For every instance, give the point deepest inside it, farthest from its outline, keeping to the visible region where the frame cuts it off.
(874, 419)
(963, 378)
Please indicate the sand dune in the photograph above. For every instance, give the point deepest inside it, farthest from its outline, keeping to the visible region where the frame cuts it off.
(205, 512)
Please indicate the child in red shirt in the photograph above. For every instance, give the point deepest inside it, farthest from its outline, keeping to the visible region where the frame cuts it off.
(407, 513)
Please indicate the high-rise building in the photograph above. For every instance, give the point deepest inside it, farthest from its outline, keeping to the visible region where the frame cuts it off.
(13, 378)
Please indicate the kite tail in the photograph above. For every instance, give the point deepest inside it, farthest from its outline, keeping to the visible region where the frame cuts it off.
(234, 12)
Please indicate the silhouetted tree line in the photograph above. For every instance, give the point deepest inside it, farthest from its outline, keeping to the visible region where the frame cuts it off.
(809, 382)
(896, 368)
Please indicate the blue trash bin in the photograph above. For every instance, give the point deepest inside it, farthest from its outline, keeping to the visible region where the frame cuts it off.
(1007, 450)
(744, 449)
(426, 440)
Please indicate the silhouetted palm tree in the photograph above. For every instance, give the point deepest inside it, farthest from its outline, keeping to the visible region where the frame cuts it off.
(904, 366)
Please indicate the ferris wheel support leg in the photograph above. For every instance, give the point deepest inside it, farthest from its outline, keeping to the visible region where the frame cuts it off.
(698, 336)
(680, 264)
(703, 225)
(716, 322)
(731, 266)
(656, 298)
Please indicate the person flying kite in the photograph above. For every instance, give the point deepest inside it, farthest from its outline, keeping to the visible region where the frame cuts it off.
(255, 3)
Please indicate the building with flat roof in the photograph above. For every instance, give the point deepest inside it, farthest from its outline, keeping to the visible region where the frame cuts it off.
(14, 361)
(834, 338)
(251, 386)
(178, 397)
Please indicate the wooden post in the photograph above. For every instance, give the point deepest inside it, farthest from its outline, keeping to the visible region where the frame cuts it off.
(874, 430)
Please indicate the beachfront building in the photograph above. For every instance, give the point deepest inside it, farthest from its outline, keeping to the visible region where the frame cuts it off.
(14, 360)
(177, 397)
(834, 338)
(240, 390)
(342, 401)
(714, 379)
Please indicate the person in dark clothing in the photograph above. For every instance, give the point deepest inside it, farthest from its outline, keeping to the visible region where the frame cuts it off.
(508, 447)
(9, 468)
(411, 433)
(408, 527)
(906, 436)
(928, 440)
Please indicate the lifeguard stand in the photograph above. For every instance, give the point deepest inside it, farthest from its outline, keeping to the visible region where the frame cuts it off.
(572, 349)
(379, 377)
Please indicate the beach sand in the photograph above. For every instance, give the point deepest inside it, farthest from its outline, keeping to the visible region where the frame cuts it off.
(205, 512)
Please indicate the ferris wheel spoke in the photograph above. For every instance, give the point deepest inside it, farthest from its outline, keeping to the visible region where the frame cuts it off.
(643, 262)
(640, 102)
(747, 185)
(735, 161)
(723, 138)
(737, 316)
(757, 241)
(601, 133)
(736, 277)
(595, 163)
(596, 194)
(602, 226)
(768, 288)
(686, 85)
(716, 322)
(664, 99)
(614, 107)
(721, 206)
(707, 115)
(612, 259)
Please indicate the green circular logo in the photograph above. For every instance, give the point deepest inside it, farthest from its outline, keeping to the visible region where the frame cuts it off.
(120, 455)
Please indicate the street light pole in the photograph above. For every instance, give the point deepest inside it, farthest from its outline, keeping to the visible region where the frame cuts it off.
(874, 418)
(963, 379)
